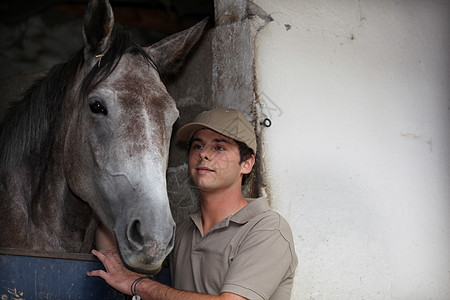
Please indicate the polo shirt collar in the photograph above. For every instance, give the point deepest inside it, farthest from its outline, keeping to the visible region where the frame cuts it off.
(254, 207)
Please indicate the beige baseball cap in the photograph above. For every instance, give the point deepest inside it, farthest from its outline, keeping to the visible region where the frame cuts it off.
(229, 122)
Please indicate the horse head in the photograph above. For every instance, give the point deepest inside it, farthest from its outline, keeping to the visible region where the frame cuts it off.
(117, 142)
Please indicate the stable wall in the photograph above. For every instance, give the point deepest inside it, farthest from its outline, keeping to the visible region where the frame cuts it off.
(357, 158)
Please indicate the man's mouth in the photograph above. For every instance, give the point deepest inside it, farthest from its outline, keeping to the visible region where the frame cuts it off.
(204, 169)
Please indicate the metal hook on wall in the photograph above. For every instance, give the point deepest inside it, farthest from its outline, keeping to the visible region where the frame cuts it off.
(266, 122)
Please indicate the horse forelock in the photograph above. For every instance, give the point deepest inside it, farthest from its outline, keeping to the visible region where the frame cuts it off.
(121, 43)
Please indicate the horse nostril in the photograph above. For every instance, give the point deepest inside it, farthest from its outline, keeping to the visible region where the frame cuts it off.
(134, 235)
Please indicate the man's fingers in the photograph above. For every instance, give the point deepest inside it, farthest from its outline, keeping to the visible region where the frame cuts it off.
(105, 257)
(98, 273)
(116, 275)
(99, 255)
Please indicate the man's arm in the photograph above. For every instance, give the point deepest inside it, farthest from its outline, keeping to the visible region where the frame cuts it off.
(121, 279)
(150, 289)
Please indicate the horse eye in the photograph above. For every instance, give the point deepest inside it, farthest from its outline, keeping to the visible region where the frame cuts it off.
(97, 108)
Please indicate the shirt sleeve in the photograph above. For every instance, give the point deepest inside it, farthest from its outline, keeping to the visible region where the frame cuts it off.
(262, 260)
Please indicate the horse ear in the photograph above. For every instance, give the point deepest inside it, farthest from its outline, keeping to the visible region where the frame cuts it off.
(97, 28)
(169, 53)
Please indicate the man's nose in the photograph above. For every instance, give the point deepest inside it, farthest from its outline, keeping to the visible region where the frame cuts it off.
(206, 153)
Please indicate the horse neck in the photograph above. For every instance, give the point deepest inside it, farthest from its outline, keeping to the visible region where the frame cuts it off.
(54, 203)
(33, 156)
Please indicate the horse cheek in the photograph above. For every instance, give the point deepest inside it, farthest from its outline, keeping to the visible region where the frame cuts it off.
(75, 161)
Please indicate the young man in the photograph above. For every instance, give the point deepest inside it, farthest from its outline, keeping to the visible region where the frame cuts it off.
(233, 248)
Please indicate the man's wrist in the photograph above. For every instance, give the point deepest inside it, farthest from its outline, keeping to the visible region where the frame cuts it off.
(134, 287)
(135, 292)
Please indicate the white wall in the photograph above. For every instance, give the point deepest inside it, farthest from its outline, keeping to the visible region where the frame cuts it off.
(357, 158)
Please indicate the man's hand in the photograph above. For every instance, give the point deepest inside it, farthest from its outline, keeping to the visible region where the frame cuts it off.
(121, 279)
(116, 274)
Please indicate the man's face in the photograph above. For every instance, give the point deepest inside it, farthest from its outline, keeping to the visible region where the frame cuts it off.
(214, 161)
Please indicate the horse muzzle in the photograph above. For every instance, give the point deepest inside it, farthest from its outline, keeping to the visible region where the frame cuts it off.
(143, 245)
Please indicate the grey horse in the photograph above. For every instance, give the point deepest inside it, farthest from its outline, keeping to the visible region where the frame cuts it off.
(89, 143)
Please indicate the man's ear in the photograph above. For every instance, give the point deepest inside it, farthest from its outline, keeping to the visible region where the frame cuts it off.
(247, 165)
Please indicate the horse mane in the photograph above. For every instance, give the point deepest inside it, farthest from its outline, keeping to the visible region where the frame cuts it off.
(25, 132)
(25, 126)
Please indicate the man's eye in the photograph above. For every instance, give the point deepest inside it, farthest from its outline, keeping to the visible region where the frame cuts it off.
(220, 148)
(197, 147)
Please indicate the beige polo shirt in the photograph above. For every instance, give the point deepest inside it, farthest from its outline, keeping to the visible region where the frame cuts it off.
(250, 253)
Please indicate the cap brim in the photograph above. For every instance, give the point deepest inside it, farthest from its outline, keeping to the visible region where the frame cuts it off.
(185, 132)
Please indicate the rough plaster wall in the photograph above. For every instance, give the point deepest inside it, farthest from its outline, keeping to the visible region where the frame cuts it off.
(233, 56)
(357, 158)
